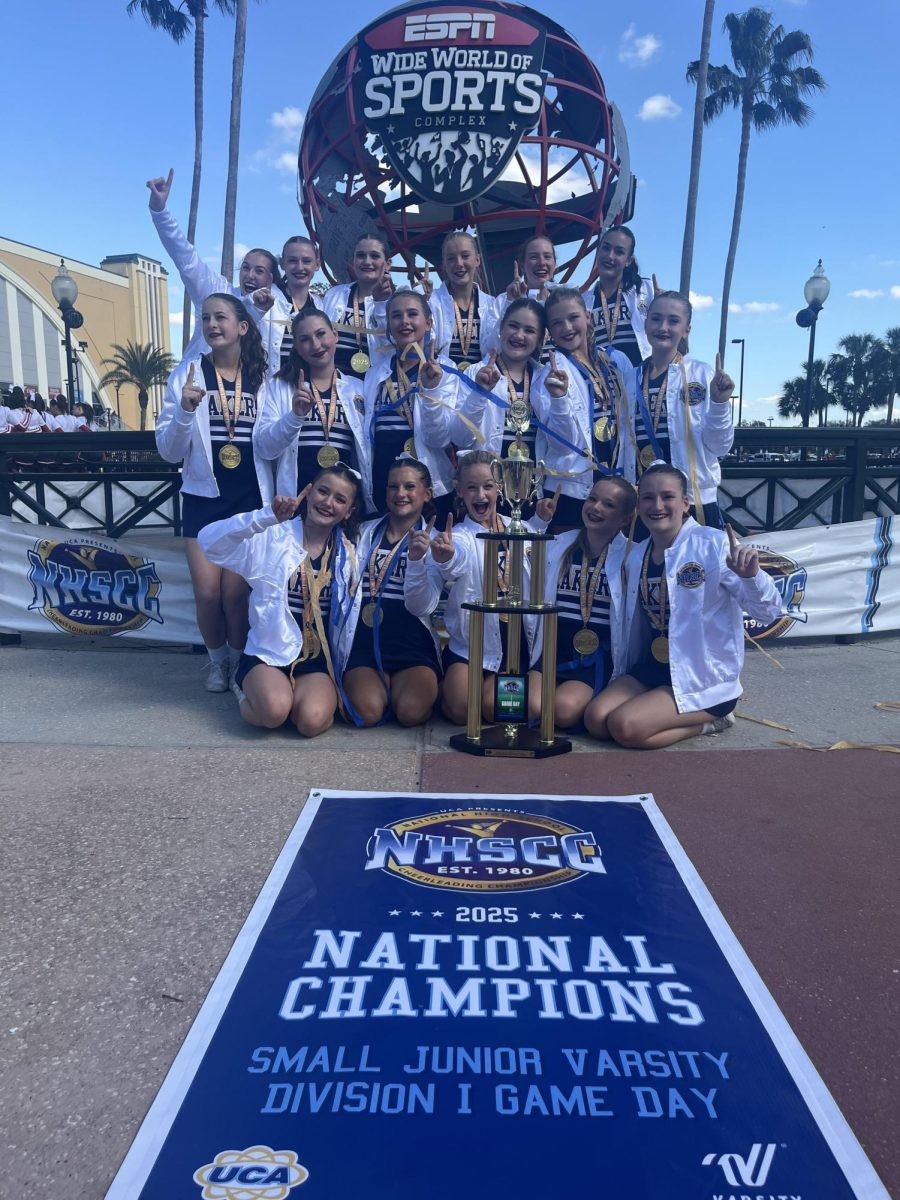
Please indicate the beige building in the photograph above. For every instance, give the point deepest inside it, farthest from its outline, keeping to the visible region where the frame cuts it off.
(124, 299)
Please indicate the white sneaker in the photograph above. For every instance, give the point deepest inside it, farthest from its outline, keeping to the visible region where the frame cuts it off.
(238, 691)
(217, 679)
(720, 724)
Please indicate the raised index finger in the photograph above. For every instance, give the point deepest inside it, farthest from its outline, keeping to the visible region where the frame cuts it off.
(553, 367)
(430, 526)
(732, 539)
(556, 494)
(718, 363)
(449, 530)
(302, 496)
(190, 378)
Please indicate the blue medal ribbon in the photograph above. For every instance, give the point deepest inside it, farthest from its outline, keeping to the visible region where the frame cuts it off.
(396, 404)
(645, 414)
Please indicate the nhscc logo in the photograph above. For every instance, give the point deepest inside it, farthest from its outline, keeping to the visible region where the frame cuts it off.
(752, 1171)
(484, 850)
(257, 1173)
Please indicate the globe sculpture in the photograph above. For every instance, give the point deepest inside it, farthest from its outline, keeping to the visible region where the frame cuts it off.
(434, 119)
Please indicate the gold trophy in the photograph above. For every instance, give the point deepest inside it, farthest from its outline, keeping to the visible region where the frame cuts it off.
(519, 479)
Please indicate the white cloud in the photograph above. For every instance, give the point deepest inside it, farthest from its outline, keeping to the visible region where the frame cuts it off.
(754, 306)
(866, 293)
(176, 318)
(895, 292)
(240, 251)
(287, 125)
(636, 50)
(289, 119)
(656, 108)
(699, 301)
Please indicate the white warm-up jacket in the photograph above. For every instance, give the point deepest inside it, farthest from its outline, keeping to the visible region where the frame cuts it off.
(570, 417)
(431, 425)
(489, 418)
(441, 305)
(200, 281)
(184, 437)
(556, 551)
(637, 301)
(697, 420)
(266, 552)
(277, 430)
(706, 627)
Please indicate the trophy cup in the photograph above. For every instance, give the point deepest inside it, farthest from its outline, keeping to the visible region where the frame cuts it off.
(519, 479)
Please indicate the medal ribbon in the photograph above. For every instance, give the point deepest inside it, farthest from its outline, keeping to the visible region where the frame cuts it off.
(359, 324)
(588, 590)
(312, 584)
(691, 452)
(600, 379)
(651, 420)
(465, 336)
(326, 417)
(659, 620)
(610, 320)
(230, 422)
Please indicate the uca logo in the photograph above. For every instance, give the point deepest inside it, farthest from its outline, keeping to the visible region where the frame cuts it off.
(257, 1173)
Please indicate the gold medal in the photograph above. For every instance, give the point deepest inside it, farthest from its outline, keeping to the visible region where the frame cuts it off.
(648, 456)
(327, 456)
(312, 646)
(602, 430)
(410, 447)
(368, 614)
(518, 413)
(585, 642)
(230, 456)
(659, 648)
(360, 362)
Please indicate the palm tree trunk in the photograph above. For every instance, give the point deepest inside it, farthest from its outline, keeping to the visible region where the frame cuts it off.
(234, 138)
(746, 112)
(690, 218)
(199, 47)
(143, 401)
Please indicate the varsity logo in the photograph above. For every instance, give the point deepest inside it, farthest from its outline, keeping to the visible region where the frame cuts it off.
(449, 93)
(696, 394)
(691, 575)
(257, 1173)
(484, 850)
(88, 586)
(752, 1171)
(790, 579)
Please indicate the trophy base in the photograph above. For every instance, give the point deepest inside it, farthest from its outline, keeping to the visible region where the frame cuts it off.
(495, 742)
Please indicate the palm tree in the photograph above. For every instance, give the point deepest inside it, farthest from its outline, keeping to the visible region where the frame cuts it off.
(172, 19)
(234, 136)
(793, 392)
(864, 357)
(690, 217)
(142, 365)
(767, 87)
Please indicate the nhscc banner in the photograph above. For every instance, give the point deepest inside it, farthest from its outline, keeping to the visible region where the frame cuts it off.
(839, 579)
(513, 996)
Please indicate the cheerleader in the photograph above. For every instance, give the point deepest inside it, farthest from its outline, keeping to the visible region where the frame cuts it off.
(358, 309)
(457, 560)
(261, 286)
(583, 579)
(682, 409)
(392, 664)
(207, 424)
(508, 374)
(620, 298)
(583, 398)
(311, 410)
(409, 402)
(301, 571)
(682, 624)
(465, 316)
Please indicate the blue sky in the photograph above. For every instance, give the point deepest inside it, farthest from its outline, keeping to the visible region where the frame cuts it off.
(77, 152)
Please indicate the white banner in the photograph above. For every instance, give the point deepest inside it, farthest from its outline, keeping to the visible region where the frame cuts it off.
(88, 585)
(836, 579)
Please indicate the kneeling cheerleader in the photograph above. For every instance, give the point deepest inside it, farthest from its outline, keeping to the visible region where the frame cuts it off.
(392, 658)
(584, 579)
(301, 570)
(687, 588)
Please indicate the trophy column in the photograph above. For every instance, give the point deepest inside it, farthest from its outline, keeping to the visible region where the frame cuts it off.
(510, 735)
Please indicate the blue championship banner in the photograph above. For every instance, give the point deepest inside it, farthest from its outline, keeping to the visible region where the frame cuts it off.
(495, 997)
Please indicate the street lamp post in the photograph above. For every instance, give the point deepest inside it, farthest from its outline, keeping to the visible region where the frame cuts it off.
(65, 293)
(740, 342)
(815, 292)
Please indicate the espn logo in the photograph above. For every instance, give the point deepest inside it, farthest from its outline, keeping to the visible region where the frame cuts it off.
(442, 27)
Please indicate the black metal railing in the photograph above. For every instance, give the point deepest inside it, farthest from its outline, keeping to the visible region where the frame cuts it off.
(773, 479)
